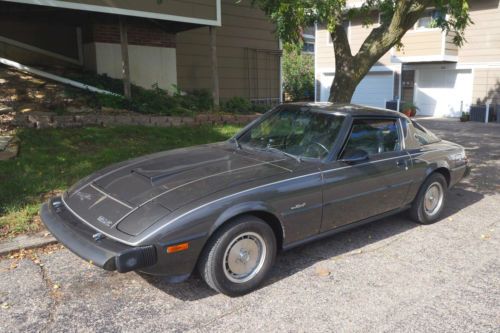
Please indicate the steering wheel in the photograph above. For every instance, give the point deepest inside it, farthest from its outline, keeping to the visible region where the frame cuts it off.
(317, 144)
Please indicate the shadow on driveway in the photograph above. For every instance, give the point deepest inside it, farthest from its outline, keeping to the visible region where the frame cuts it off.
(303, 257)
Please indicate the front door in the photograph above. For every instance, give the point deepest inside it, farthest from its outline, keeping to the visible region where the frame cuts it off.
(355, 192)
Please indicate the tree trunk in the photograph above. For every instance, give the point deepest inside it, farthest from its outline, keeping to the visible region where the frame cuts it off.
(343, 87)
(351, 69)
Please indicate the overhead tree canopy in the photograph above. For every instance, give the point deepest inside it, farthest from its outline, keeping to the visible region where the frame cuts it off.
(396, 18)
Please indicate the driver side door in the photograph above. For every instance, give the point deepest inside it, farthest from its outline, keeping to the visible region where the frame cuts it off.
(354, 192)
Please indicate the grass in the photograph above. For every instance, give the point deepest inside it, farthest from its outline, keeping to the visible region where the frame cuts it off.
(52, 160)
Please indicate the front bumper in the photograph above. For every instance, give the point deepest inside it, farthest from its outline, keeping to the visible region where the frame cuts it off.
(79, 238)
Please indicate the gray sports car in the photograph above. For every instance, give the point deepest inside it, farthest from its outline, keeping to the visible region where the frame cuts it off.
(298, 173)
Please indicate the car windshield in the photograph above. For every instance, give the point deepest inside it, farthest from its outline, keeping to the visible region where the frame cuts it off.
(295, 131)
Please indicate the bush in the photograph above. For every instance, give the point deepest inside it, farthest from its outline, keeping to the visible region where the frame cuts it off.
(298, 75)
(237, 105)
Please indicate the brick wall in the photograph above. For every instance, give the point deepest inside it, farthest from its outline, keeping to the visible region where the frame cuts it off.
(140, 32)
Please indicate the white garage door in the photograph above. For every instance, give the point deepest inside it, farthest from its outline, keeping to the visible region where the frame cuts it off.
(373, 90)
(443, 92)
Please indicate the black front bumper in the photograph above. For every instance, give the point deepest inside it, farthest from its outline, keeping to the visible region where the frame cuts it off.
(104, 252)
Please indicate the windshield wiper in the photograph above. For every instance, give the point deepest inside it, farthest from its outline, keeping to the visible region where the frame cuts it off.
(237, 143)
(295, 157)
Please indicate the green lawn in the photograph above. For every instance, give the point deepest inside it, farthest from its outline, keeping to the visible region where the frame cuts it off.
(52, 160)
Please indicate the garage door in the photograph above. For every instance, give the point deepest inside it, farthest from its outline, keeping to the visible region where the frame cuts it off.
(373, 90)
(443, 92)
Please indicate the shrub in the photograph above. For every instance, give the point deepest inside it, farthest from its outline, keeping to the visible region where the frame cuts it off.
(298, 75)
(237, 105)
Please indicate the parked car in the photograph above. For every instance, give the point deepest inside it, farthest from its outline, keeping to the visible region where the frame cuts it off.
(298, 173)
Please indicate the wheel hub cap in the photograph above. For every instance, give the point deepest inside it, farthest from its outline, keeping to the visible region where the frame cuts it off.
(433, 199)
(244, 257)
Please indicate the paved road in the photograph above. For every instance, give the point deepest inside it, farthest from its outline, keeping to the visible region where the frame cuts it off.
(389, 276)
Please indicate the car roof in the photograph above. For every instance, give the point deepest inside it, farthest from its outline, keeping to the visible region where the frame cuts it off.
(351, 109)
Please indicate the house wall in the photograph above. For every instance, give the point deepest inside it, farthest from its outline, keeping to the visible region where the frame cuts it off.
(247, 50)
(152, 56)
(486, 85)
(421, 43)
(482, 50)
(483, 37)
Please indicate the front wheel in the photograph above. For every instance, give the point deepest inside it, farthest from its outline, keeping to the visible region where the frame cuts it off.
(239, 256)
(430, 200)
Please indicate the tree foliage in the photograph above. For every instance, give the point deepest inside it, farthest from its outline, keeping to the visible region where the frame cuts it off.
(397, 17)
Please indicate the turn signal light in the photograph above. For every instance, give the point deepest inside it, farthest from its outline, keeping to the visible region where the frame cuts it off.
(178, 248)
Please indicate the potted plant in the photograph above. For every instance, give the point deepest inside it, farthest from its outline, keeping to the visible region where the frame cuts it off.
(410, 109)
(465, 117)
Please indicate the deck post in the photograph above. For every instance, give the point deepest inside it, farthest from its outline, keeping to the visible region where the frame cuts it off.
(125, 62)
(215, 68)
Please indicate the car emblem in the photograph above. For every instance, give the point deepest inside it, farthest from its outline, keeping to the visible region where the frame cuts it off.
(84, 196)
(298, 206)
(104, 221)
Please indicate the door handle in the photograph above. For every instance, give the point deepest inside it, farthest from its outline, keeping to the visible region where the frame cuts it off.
(402, 163)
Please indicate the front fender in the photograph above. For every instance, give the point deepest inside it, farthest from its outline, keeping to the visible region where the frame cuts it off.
(242, 208)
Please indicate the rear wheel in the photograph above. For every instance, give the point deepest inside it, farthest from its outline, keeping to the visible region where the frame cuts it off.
(430, 200)
(239, 256)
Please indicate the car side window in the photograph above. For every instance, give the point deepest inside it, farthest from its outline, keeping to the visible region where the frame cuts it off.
(374, 136)
(424, 136)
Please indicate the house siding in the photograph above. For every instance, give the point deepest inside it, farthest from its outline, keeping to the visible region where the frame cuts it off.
(483, 37)
(421, 43)
(248, 55)
(486, 86)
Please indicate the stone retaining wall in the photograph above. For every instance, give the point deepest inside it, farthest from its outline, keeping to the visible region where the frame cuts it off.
(48, 120)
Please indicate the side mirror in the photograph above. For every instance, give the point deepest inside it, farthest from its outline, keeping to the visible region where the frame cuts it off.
(355, 156)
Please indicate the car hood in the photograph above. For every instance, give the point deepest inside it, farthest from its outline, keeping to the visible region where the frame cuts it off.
(134, 195)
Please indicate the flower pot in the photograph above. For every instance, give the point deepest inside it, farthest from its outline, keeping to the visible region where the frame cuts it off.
(407, 112)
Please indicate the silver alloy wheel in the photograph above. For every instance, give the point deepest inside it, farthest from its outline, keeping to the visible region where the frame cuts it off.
(433, 199)
(244, 257)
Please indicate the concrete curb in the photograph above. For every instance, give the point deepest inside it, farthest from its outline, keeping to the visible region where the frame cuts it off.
(39, 239)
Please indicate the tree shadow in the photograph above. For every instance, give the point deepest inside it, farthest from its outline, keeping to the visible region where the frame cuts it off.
(303, 257)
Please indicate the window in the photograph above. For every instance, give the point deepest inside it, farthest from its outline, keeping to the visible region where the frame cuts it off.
(429, 19)
(375, 136)
(308, 47)
(295, 130)
(424, 136)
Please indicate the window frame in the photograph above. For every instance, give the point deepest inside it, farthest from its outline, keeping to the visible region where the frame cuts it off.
(347, 136)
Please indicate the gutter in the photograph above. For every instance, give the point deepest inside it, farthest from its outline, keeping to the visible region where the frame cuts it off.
(53, 77)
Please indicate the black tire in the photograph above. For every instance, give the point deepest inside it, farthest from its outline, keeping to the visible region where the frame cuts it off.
(418, 211)
(214, 267)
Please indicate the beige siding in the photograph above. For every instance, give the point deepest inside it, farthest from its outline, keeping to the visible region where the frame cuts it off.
(486, 85)
(358, 34)
(421, 43)
(247, 51)
(483, 37)
(325, 57)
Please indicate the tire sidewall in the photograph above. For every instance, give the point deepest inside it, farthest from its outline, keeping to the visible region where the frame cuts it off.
(422, 216)
(226, 236)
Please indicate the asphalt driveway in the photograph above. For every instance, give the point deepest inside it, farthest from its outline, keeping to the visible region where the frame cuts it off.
(391, 275)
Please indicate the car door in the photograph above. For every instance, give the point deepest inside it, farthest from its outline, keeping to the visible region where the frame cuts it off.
(359, 190)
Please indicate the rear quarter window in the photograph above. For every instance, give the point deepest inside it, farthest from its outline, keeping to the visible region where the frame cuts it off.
(423, 135)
